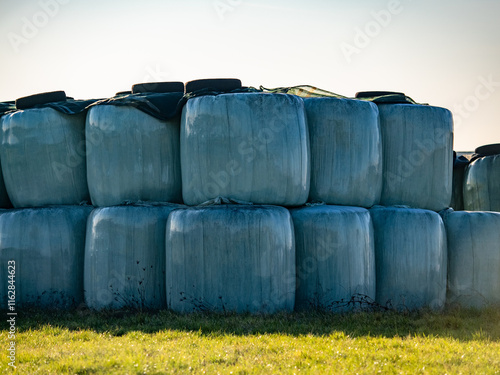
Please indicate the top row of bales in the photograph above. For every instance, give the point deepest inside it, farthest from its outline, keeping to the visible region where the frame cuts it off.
(248, 145)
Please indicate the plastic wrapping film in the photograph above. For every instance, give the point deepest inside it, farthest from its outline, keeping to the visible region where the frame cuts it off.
(125, 256)
(47, 245)
(473, 258)
(230, 258)
(417, 145)
(132, 156)
(43, 157)
(335, 257)
(481, 189)
(346, 151)
(410, 258)
(246, 146)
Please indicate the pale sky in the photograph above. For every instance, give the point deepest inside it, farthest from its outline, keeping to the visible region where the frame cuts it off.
(445, 53)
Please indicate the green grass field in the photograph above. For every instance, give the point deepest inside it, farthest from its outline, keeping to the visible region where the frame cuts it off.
(457, 341)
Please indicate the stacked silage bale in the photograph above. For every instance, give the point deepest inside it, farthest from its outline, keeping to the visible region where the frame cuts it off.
(474, 258)
(45, 247)
(134, 179)
(481, 184)
(125, 256)
(43, 164)
(474, 253)
(410, 242)
(134, 146)
(248, 147)
(334, 242)
(230, 258)
(335, 257)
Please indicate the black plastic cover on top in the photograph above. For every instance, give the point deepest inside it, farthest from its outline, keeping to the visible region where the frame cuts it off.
(56, 100)
(158, 87)
(163, 106)
(459, 162)
(214, 84)
(6, 107)
(385, 97)
(486, 150)
(31, 101)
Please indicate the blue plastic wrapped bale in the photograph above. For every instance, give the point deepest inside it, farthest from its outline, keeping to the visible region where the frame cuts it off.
(473, 258)
(230, 258)
(410, 258)
(47, 246)
(417, 145)
(132, 156)
(43, 157)
(335, 258)
(125, 257)
(346, 151)
(246, 146)
(482, 184)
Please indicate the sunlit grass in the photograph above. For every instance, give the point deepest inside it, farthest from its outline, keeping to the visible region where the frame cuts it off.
(84, 342)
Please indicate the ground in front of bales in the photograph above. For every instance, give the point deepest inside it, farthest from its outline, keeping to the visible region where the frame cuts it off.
(85, 342)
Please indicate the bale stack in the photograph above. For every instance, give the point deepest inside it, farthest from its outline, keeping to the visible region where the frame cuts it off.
(44, 169)
(300, 199)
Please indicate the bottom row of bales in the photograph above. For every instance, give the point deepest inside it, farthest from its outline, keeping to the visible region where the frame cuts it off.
(247, 258)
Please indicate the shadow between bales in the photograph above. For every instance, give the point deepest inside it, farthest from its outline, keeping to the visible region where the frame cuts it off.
(457, 323)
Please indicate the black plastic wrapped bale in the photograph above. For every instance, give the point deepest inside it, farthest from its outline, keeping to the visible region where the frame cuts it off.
(4, 196)
(460, 163)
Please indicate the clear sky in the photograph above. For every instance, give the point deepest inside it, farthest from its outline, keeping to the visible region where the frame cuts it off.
(442, 52)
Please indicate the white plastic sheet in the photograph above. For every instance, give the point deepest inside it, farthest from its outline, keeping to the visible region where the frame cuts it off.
(132, 156)
(252, 147)
(346, 151)
(473, 258)
(417, 145)
(43, 158)
(482, 184)
(47, 245)
(230, 258)
(125, 257)
(410, 258)
(335, 257)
